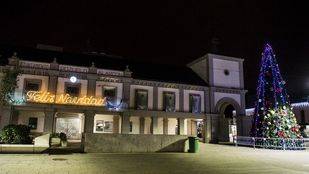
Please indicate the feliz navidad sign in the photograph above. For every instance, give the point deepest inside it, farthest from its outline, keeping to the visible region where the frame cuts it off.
(47, 97)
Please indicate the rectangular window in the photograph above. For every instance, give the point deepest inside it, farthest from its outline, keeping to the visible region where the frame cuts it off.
(110, 92)
(32, 85)
(72, 89)
(195, 103)
(33, 122)
(141, 99)
(169, 101)
(104, 126)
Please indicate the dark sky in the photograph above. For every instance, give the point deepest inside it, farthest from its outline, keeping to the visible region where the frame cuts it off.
(174, 32)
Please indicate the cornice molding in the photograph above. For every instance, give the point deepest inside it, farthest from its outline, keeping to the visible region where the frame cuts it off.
(169, 85)
(228, 90)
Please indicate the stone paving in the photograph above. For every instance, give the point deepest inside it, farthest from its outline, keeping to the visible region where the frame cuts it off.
(210, 159)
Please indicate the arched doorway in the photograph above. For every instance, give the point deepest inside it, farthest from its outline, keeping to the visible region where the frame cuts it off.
(228, 109)
(230, 117)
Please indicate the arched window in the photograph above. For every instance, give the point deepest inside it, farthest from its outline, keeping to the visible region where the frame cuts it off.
(302, 117)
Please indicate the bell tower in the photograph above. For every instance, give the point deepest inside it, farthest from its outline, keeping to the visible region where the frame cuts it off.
(220, 71)
(225, 79)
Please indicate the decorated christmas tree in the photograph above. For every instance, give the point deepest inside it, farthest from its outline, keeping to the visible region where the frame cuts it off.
(273, 117)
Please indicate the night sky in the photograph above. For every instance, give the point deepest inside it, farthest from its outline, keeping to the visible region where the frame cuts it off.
(171, 32)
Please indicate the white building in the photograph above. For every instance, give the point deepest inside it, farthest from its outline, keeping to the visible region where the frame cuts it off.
(77, 100)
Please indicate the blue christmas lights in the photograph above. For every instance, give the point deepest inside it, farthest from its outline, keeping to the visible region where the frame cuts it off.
(271, 93)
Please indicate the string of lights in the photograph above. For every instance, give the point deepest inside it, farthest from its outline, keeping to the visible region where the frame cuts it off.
(273, 116)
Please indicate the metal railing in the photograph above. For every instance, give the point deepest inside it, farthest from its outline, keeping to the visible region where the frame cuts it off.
(272, 143)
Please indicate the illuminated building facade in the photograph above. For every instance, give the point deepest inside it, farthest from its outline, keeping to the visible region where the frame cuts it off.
(53, 97)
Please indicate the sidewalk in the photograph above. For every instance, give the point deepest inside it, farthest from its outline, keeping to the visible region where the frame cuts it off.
(210, 159)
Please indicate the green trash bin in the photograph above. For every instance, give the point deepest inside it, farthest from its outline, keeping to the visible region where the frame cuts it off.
(193, 144)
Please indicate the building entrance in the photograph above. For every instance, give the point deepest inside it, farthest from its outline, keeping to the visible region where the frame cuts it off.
(70, 124)
(230, 117)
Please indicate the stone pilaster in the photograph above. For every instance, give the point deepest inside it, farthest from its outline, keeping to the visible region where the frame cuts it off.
(154, 125)
(92, 79)
(53, 77)
(14, 116)
(207, 101)
(115, 124)
(5, 116)
(91, 87)
(181, 100)
(241, 74)
(211, 129)
(155, 98)
(142, 125)
(214, 128)
(89, 121)
(189, 127)
(207, 129)
(125, 124)
(126, 91)
(49, 121)
(165, 126)
(210, 72)
(52, 84)
(181, 125)
(212, 99)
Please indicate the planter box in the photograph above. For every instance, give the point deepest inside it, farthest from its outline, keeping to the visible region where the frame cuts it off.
(21, 148)
(17, 148)
(41, 144)
(124, 143)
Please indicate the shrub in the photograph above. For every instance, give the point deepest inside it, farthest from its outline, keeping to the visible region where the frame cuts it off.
(15, 134)
(8, 85)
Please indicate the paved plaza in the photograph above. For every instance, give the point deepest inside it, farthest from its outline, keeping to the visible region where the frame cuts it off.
(210, 159)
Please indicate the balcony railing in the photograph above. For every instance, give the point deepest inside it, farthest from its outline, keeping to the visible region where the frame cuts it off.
(71, 68)
(32, 64)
